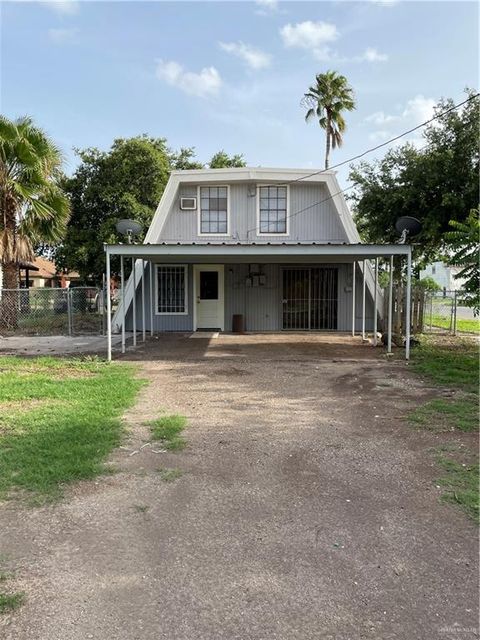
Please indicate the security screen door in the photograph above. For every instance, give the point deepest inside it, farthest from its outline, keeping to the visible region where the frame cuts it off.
(310, 298)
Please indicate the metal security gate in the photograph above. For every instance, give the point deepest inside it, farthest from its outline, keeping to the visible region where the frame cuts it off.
(310, 298)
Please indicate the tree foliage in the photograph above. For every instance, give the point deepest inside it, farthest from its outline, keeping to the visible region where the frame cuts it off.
(33, 207)
(428, 284)
(326, 101)
(464, 241)
(184, 159)
(221, 160)
(127, 181)
(436, 184)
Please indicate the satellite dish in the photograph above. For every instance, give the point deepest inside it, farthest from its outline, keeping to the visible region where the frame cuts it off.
(129, 228)
(407, 226)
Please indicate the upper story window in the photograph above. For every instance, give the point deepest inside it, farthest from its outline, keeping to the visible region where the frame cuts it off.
(272, 217)
(213, 210)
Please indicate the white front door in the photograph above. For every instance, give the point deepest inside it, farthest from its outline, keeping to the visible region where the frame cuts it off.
(209, 296)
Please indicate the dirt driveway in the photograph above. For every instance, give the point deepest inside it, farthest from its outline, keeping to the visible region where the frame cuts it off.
(307, 509)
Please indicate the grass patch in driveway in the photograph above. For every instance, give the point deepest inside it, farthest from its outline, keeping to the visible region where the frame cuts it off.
(11, 601)
(461, 484)
(68, 435)
(447, 415)
(169, 475)
(453, 364)
(167, 429)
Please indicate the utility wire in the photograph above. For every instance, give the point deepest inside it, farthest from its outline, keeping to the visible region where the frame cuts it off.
(383, 144)
(361, 155)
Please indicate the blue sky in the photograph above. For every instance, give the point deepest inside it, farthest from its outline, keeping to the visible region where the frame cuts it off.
(231, 74)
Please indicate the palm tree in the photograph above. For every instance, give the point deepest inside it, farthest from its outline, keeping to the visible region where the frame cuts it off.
(326, 101)
(33, 208)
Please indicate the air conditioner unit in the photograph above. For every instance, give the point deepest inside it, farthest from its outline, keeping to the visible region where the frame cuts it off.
(188, 204)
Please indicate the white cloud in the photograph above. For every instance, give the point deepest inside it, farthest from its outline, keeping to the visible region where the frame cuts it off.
(379, 136)
(419, 109)
(380, 118)
(266, 6)
(62, 36)
(203, 84)
(415, 111)
(385, 3)
(372, 55)
(314, 36)
(255, 58)
(65, 7)
(308, 34)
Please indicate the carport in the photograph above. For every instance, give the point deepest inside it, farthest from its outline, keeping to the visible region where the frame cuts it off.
(362, 257)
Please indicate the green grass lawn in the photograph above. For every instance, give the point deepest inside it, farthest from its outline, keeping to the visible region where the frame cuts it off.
(449, 363)
(59, 420)
(464, 325)
(452, 364)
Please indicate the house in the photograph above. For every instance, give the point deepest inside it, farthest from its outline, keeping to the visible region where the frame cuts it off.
(276, 246)
(42, 273)
(444, 276)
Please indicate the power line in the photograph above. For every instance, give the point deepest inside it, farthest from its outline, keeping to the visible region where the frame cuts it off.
(357, 157)
(383, 144)
(361, 155)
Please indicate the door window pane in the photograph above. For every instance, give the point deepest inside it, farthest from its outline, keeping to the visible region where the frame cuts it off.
(208, 285)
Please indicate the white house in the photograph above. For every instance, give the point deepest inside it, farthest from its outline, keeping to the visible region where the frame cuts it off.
(277, 247)
(444, 276)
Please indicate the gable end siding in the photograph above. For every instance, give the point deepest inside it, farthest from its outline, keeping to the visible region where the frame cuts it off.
(316, 222)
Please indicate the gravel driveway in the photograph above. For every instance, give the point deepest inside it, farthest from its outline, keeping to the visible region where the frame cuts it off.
(307, 509)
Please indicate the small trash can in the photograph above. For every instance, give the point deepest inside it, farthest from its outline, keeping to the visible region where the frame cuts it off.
(238, 323)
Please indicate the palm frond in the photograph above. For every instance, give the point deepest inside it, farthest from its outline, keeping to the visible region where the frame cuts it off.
(328, 99)
(30, 171)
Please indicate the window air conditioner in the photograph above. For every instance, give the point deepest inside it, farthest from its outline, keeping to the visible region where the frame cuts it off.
(188, 204)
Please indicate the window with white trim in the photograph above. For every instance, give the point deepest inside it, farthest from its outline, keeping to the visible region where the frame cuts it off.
(214, 210)
(273, 210)
(171, 289)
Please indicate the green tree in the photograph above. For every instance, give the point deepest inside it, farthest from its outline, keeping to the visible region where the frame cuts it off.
(185, 159)
(464, 242)
(125, 182)
(326, 101)
(34, 208)
(221, 160)
(428, 284)
(436, 184)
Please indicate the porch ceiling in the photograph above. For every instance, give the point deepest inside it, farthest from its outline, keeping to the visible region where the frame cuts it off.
(216, 253)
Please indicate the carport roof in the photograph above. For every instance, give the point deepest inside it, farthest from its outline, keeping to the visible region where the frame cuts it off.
(216, 252)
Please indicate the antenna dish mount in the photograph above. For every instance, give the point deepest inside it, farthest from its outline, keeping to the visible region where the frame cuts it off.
(407, 227)
(128, 228)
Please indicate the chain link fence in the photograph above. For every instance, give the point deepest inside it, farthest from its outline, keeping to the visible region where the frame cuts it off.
(447, 312)
(45, 311)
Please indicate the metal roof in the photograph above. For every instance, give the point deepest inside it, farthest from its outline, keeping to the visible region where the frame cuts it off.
(279, 252)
